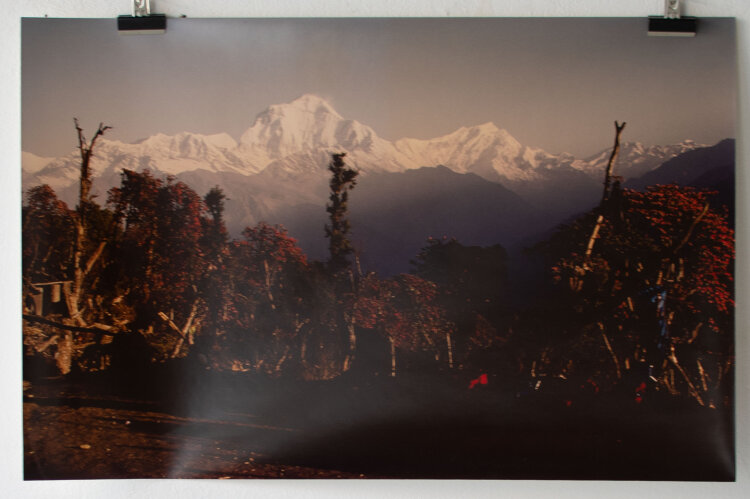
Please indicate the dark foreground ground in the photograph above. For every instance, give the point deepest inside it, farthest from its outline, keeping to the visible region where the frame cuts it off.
(206, 425)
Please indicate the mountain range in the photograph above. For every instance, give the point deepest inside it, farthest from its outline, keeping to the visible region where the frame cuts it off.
(277, 172)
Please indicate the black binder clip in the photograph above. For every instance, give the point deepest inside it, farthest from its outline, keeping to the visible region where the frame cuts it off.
(142, 21)
(672, 23)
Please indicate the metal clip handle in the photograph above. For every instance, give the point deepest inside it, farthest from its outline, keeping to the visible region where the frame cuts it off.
(141, 8)
(672, 9)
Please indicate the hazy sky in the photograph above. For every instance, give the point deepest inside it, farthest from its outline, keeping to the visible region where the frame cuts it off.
(557, 84)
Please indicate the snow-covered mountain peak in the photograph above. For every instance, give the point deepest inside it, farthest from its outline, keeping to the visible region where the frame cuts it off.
(489, 127)
(301, 112)
(308, 126)
(310, 103)
(485, 149)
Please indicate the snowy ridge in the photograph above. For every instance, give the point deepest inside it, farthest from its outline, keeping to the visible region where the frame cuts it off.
(634, 159)
(295, 139)
(485, 150)
(33, 163)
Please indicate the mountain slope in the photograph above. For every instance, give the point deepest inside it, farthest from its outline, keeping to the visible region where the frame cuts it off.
(687, 168)
(393, 214)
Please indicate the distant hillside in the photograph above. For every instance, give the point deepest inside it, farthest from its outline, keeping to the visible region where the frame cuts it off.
(393, 214)
(708, 167)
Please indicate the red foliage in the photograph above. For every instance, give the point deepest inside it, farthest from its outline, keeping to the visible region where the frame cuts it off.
(666, 237)
(266, 269)
(673, 223)
(162, 257)
(271, 244)
(404, 309)
(47, 235)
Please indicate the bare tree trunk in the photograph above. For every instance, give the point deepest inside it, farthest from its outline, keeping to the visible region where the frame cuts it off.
(284, 356)
(691, 387)
(393, 357)
(672, 383)
(78, 269)
(611, 351)
(185, 331)
(52, 341)
(703, 375)
(358, 265)
(303, 353)
(594, 235)
(450, 349)
(268, 284)
(607, 186)
(64, 355)
(97, 328)
(690, 230)
(611, 163)
(298, 325)
(349, 320)
(722, 371)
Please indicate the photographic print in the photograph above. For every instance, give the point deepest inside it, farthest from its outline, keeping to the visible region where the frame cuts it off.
(378, 248)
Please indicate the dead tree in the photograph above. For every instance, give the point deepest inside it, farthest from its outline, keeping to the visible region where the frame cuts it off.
(606, 194)
(607, 190)
(611, 163)
(82, 262)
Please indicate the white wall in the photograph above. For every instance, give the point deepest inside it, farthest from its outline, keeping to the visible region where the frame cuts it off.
(11, 455)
